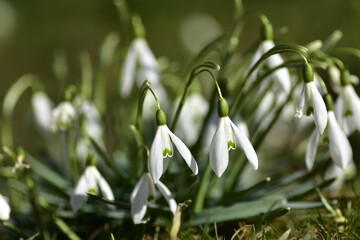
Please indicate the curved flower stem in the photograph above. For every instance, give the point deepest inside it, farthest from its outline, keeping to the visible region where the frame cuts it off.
(10, 100)
(275, 50)
(195, 72)
(143, 90)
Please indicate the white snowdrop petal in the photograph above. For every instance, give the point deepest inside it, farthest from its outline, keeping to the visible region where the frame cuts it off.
(219, 156)
(146, 56)
(320, 111)
(311, 149)
(79, 196)
(4, 208)
(246, 145)
(340, 148)
(167, 195)
(354, 119)
(128, 71)
(42, 107)
(105, 188)
(184, 152)
(301, 103)
(138, 199)
(165, 139)
(156, 163)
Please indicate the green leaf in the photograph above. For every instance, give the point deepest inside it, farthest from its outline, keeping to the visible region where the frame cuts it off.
(47, 174)
(239, 210)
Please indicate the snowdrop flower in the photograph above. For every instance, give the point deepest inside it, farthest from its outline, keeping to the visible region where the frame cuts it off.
(42, 108)
(63, 116)
(339, 146)
(226, 137)
(190, 119)
(4, 208)
(281, 76)
(162, 148)
(139, 55)
(347, 107)
(341, 176)
(311, 100)
(91, 180)
(91, 121)
(139, 197)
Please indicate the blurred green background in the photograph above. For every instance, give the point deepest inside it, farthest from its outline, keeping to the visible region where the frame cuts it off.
(32, 31)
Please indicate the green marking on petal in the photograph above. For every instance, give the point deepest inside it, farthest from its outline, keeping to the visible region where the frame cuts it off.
(231, 145)
(167, 152)
(91, 190)
(348, 112)
(309, 111)
(325, 139)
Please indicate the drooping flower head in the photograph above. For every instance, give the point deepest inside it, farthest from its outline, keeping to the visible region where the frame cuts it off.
(139, 61)
(339, 145)
(162, 148)
(190, 119)
(63, 116)
(90, 181)
(280, 77)
(311, 101)
(347, 107)
(142, 191)
(228, 136)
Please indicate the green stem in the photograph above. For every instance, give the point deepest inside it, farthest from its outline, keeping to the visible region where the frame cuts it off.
(195, 72)
(106, 54)
(11, 98)
(71, 146)
(86, 75)
(202, 190)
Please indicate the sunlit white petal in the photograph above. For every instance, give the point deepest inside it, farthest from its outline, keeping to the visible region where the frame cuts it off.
(167, 195)
(156, 163)
(320, 111)
(42, 107)
(340, 148)
(128, 71)
(184, 151)
(4, 208)
(79, 196)
(245, 144)
(138, 199)
(219, 157)
(312, 149)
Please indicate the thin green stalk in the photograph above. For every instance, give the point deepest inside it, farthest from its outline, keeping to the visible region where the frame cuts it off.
(10, 100)
(275, 50)
(203, 187)
(107, 51)
(71, 147)
(195, 72)
(86, 75)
